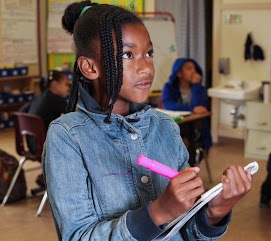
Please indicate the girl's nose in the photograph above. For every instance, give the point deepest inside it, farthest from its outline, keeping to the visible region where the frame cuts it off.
(144, 67)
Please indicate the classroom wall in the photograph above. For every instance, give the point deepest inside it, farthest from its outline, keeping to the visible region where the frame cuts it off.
(232, 21)
(229, 38)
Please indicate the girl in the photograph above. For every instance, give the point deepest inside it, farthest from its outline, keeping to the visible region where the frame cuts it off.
(184, 92)
(96, 190)
(51, 103)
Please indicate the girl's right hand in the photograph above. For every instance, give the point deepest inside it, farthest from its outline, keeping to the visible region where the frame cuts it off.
(180, 195)
(196, 78)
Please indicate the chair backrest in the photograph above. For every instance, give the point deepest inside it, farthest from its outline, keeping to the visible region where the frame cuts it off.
(29, 125)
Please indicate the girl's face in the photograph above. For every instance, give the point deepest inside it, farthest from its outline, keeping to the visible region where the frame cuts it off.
(186, 72)
(61, 87)
(138, 68)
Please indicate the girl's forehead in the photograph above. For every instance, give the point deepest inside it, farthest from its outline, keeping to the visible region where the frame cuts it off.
(132, 33)
(188, 64)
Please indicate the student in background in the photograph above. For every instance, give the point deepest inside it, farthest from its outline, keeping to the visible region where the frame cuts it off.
(95, 188)
(49, 105)
(185, 92)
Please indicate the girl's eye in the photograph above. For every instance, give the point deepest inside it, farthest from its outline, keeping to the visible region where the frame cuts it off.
(127, 55)
(150, 53)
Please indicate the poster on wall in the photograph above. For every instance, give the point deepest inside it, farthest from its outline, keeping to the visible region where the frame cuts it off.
(18, 32)
(61, 42)
(58, 40)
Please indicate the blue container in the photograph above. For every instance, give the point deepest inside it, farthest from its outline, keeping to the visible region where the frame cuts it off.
(7, 99)
(3, 73)
(28, 97)
(18, 71)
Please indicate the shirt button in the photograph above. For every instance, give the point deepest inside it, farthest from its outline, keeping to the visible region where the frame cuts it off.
(133, 136)
(144, 179)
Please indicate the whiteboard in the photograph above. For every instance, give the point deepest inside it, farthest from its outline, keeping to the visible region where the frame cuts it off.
(163, 36)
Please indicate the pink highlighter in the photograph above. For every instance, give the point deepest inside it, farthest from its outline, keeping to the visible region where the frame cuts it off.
(156, 167)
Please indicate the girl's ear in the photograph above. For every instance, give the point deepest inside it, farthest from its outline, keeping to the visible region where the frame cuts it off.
(88, 67)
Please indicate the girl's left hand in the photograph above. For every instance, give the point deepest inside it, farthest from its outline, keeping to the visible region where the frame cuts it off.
(236, 184)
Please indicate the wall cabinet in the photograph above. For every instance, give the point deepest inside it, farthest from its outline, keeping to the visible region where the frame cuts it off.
(258, 137)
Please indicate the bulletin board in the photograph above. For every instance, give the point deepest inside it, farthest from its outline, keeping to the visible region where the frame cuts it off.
(19, 35)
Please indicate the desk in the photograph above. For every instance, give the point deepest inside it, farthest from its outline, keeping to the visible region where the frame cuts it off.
(193, 118)
(190, 124)
(196, 152)
(155, 99)
(155, 94)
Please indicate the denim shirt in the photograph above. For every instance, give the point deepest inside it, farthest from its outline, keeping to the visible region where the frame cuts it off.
(95, 188)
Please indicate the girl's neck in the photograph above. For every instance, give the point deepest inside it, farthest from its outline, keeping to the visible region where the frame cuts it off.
(121, 108)
(185, 86)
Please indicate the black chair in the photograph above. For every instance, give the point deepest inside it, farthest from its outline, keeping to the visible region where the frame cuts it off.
(202, 155)
(197, 153)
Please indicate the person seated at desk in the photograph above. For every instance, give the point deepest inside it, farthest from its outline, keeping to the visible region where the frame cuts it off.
(49, 105)
(184, 92)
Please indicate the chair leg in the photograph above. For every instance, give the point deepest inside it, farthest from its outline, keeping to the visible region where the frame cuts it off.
(14, 179)
(207, 166)
(43, 201)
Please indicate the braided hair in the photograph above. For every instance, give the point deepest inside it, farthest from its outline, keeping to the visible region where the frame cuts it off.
(96, 24)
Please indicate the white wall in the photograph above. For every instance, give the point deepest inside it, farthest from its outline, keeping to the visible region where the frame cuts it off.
(233, 38)
(229, 42)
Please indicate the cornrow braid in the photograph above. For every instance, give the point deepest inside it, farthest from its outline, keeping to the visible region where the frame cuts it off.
(107, 24)
(107, 48)
(119, 58)
(74, 89)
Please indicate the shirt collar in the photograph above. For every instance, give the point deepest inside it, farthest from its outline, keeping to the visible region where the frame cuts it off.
(86, 101)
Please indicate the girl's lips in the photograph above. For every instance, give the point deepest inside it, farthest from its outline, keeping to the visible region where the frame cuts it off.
(144, 85)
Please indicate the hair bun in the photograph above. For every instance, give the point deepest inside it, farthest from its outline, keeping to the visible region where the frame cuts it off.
(72, 13)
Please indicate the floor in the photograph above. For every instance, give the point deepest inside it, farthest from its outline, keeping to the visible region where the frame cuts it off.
(249, 222)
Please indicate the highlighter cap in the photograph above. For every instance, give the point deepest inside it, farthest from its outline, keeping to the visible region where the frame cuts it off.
(144, 161)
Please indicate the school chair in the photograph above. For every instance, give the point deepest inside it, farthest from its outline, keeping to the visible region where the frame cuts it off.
(26, 124)
(42, 203)
(202, 155)
(197, 153)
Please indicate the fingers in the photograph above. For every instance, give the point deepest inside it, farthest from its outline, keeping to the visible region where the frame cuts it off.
(188, 183)
(187, 174)
(196, 78)
(195, 169)
(235, 181)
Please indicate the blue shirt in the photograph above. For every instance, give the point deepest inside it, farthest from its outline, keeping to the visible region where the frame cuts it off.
(95, 188)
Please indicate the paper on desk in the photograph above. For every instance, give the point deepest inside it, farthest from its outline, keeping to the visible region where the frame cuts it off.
(174, 113)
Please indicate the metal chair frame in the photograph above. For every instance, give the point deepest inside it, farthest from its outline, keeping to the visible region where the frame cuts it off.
(32, 125)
